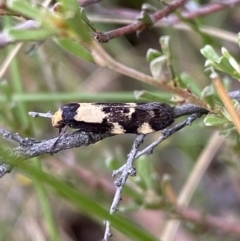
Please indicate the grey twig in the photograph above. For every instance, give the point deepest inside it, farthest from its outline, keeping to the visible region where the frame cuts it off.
(49, 114)
(128, 168)
(165, 134)
(107, 233)
(188, 109)
(13, 136)
(30, 147)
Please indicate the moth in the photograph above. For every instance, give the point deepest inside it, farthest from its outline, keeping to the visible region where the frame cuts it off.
(114, 118)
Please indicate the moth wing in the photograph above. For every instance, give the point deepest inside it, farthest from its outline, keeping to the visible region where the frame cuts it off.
(149, 106)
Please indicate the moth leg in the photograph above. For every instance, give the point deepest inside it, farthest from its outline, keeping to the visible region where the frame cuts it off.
(62, 131)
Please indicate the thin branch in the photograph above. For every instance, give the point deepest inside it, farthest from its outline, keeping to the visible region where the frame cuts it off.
(217, 82)
(221, 223)
(13, 136)
(107, 233)
(201, 11)
(207, 10)
(140, 26)
(127, 170)
(191, 214)
(49, 114)
(165, 134)
(102, 58)
(134, 27)
(30, 147)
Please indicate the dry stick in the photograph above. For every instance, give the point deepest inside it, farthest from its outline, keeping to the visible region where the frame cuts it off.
(134, 27)
(165, 134)
(30, 147)
(212, 31)
(221, 223)
(107, 233)
(140, 26)
(202, 11)
(128, 169)
(226, 100)
(120, 182)
(102, 58)
(197, 218)
(192, 182)
(224, 224)
(9, 58)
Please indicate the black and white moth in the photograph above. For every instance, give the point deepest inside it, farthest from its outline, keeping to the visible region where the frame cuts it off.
(114, 118)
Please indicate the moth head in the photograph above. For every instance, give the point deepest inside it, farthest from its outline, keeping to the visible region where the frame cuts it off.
(57, 119)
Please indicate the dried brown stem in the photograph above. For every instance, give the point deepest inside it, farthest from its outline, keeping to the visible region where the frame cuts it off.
(220, 223)
(140, 26)
(102, 58)
(134, 27)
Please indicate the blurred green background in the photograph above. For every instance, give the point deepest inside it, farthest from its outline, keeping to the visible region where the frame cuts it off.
(71, 206)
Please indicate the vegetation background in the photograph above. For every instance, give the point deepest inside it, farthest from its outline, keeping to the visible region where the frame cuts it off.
(79, 190)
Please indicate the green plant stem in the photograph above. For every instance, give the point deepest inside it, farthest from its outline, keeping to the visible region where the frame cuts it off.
(83, 97)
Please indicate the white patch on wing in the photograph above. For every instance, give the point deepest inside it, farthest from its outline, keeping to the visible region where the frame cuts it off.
(131, 110)
(145, 128)
(117, 129)
(56, 118)
(90, 113)
(151, 113)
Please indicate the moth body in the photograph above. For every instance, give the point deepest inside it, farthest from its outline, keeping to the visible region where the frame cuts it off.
(114, 118)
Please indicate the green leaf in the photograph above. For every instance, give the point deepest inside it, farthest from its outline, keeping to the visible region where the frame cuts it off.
(210, 63)
(228, 131)
(158, 68)
(209, 53)
(214, 120)
(71, 5)
(231, 60)
(226, 63)
(27, 35)
(75, 19)
(24, 8)
(208, 94)
(152, 54)
(145, 18)
(226, 113)
(76, 49)
(144, 172)
(161, 97)
(226, 67)
(190, 83)
(165, 45)
(112, 163)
